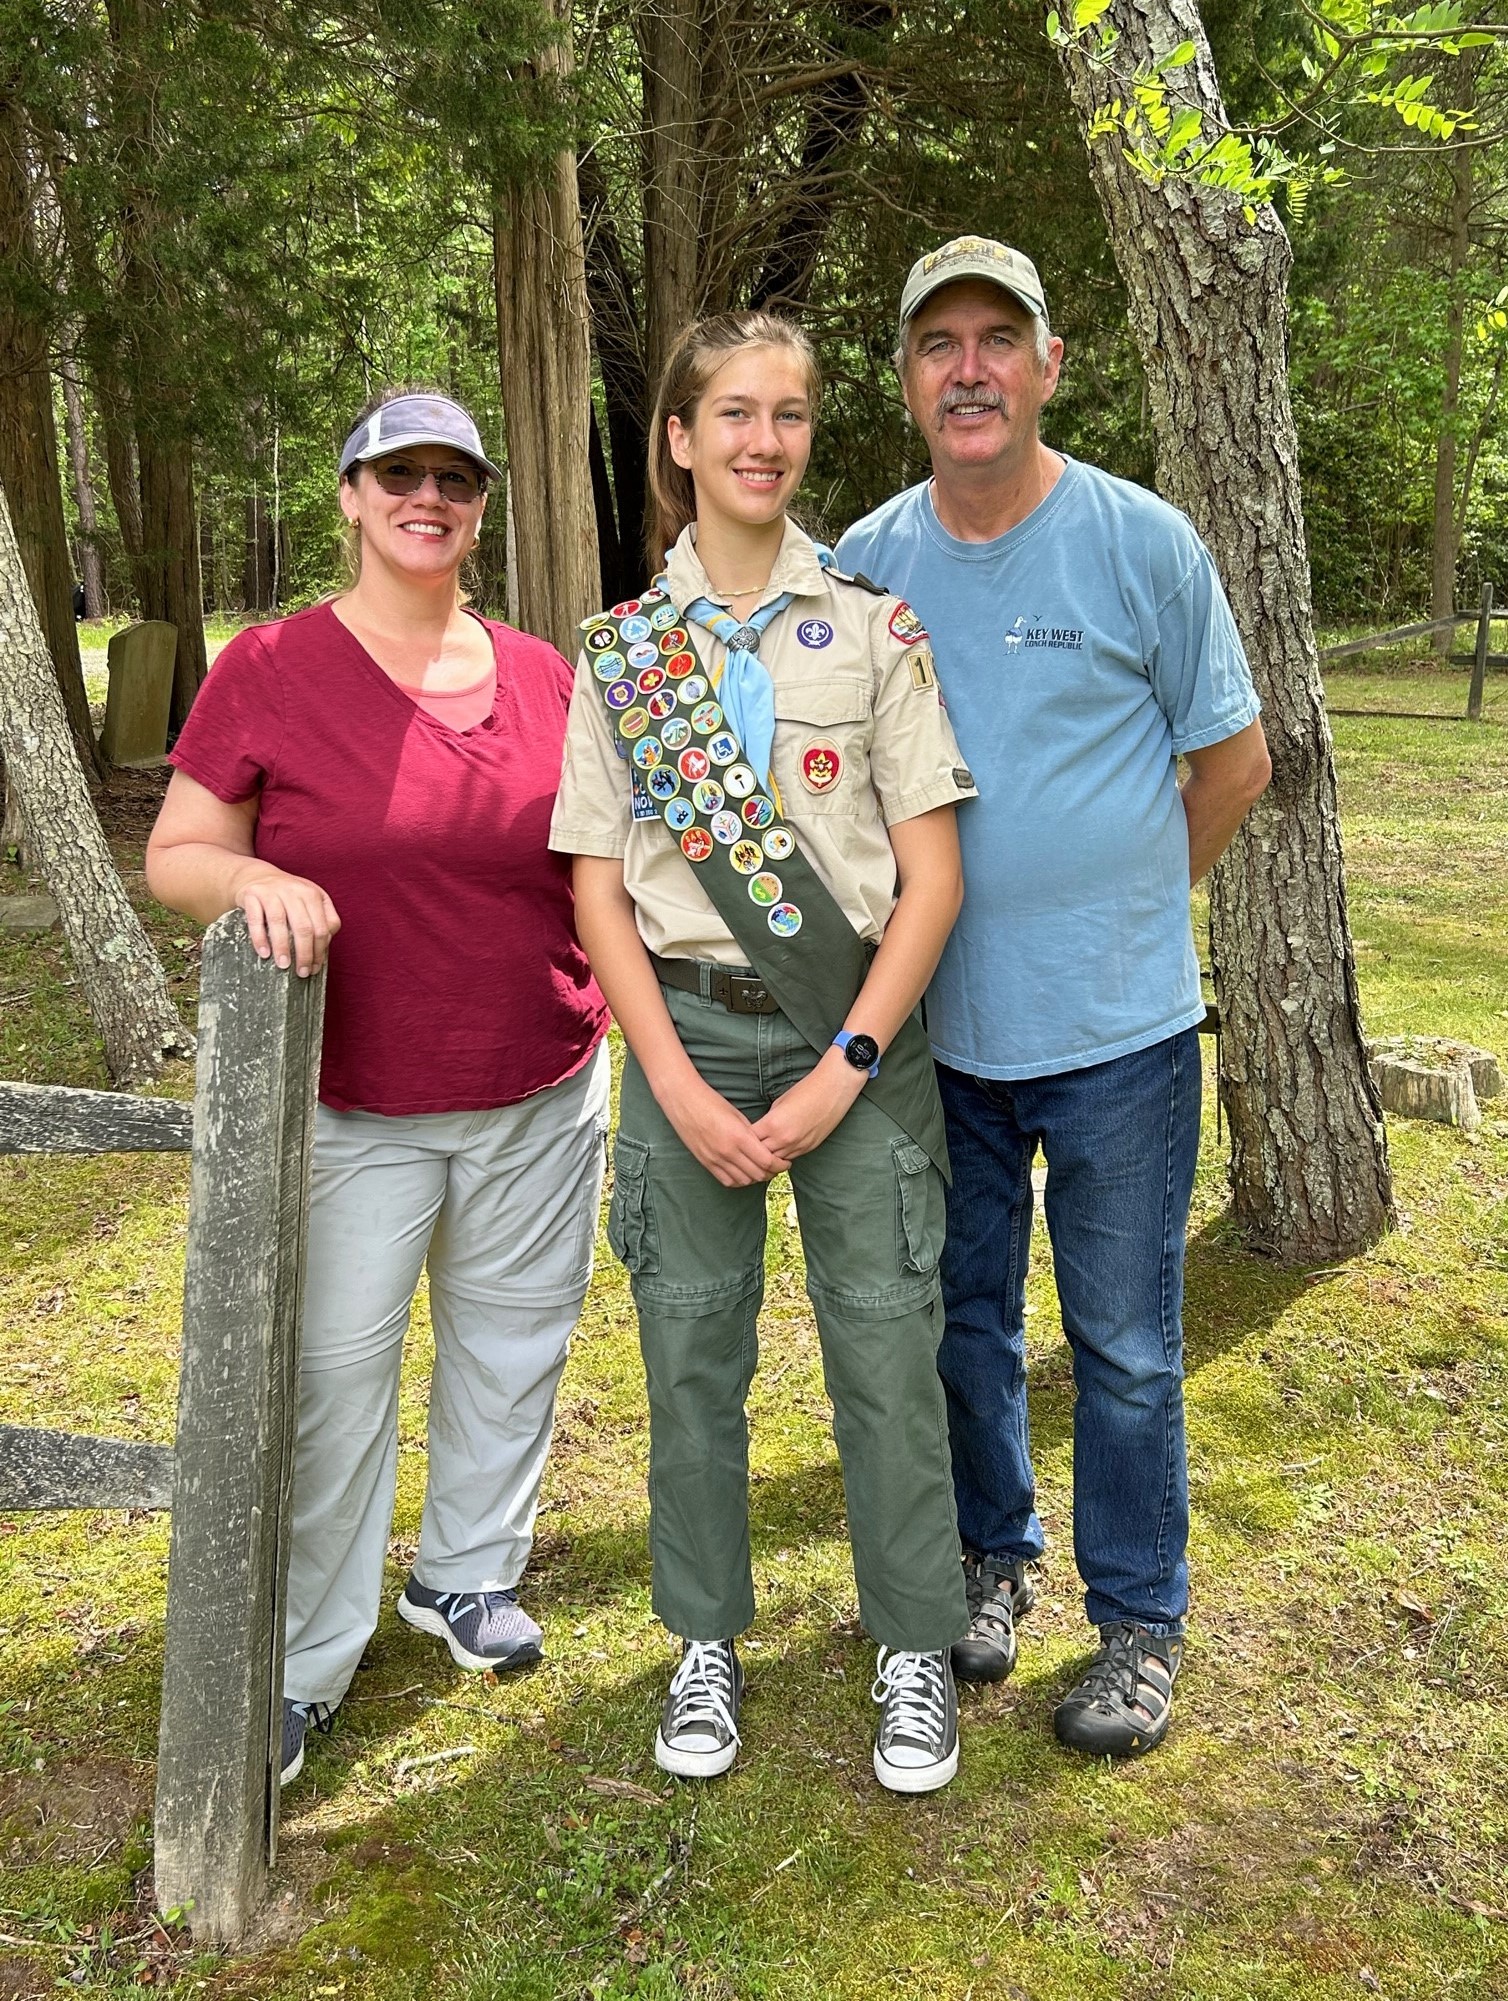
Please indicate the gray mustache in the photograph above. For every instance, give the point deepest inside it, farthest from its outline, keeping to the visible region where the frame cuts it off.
(956, 399)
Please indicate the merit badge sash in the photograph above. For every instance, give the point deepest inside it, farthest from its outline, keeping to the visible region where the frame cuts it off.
(792, 930)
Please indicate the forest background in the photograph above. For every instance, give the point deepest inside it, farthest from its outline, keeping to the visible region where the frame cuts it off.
(221, 227)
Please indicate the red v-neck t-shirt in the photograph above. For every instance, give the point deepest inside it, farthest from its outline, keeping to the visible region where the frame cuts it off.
(456, 982)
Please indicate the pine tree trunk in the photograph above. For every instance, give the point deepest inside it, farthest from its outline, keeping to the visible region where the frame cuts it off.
(117, 968)
(545, 363)
(672, 45)
(83, 489)
(1444, 540)
(29, 440)
(1309, 1162)
(172, 586)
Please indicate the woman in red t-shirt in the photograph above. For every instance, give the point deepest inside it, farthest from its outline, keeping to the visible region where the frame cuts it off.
(371, 781)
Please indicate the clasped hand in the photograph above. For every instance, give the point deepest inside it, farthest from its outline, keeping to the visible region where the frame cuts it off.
(738, 1151)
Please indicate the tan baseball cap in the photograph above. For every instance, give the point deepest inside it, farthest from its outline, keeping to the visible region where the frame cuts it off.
(973, 257)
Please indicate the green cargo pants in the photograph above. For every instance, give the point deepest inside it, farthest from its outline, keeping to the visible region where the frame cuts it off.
(870, 1205)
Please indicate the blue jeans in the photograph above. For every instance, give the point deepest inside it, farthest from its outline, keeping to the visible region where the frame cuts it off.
(1121, 1140)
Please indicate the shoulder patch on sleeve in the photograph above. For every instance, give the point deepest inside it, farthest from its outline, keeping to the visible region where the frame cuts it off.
(905, 625)
(923, 676)
(858, 579)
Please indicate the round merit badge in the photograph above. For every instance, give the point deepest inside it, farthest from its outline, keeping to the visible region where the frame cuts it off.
(664, 783)
(591, 624)
(677, 732)
(722, 748)
(785, 920)
(673, 641)
(608, 666)
(705, 717)
(642, 655)
(691, 691)
(647, 753)
(739, 780)
(814, 632)
(765, 888)
(661, 704)
(779, 842)
(652, 597)
(627, 609)
(747, 857)
(620, 694)
(725, 828)
(679, 814)
(696, 843)
(636, 628)
(633, 722)
(600, 638)
(707, 797)
(650, 679)
(758, 812)
(680, 665)
(821, 766)
(661, 616)
(692, 765)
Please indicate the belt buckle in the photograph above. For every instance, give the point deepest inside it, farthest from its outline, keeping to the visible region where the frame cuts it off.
(750, 996)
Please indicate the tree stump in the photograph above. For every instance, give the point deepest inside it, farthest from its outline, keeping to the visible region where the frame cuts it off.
(1434, 1077)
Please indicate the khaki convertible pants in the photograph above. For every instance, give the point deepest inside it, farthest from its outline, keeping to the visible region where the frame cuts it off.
(502, 1206)
(871, 1210)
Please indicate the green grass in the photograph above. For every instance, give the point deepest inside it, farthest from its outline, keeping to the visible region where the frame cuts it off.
(1328, 1817)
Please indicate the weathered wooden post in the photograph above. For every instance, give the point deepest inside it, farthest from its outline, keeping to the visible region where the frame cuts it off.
(221, 1730)
(1479, 660)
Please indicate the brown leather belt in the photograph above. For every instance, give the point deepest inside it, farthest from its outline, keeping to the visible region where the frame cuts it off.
(739, 993)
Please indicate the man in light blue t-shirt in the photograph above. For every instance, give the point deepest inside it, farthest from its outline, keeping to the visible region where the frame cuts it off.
(1083, 644)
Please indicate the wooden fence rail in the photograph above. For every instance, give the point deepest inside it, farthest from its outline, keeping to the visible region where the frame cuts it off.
(1478, 660)
(227, 1476)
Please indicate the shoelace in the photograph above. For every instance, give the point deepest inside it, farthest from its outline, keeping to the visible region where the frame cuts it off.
(320, 1714)
(701, 1690)
(912, 1689)
(461, 1604)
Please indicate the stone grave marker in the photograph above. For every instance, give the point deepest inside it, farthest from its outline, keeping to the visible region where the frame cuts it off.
(141, 693)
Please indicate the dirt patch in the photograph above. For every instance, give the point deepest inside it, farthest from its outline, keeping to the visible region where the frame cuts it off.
(74, 1813)
(23, 1977)
(128, 803)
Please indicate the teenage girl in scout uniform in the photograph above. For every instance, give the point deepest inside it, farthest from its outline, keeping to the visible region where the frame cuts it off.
(759, 790)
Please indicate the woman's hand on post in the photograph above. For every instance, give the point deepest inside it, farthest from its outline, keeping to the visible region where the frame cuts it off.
(288, 919)
(719, 1135)
(801, 1118)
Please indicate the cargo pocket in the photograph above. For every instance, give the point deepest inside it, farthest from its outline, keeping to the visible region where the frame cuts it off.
(630, 1215)
(920, 1213)
(822, 736)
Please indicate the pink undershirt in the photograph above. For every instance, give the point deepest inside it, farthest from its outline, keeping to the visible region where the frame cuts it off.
(457, 708)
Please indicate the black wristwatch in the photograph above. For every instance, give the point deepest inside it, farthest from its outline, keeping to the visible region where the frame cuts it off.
(862, 1051)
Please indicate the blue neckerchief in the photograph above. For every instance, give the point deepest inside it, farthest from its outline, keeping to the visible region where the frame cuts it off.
(745, 690)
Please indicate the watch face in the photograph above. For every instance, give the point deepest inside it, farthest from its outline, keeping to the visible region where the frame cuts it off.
(863, 1052)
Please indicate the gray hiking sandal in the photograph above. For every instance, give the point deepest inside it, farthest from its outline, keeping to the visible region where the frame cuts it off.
(1124, 1703)
(999, 1593)
(483, 1629)
(916, 1746)
(698, 1733)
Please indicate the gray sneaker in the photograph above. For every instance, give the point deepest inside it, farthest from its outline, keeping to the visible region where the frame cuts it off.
(999, 1593)
(483, 1629)
(297, 1716)
(698, 1733)
(916, 1746)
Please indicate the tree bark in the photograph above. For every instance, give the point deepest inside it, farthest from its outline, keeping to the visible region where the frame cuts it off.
(172, 587)
(28, 437)
(119, 972)
(673, 60)
(83, 488)
(1445, 542)
(1309, 1162)
(539, 271)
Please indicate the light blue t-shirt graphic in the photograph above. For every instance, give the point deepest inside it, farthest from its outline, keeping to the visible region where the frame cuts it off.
(1078, 654)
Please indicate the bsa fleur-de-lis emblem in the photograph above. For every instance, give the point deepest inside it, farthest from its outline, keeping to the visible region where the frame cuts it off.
(821, 766)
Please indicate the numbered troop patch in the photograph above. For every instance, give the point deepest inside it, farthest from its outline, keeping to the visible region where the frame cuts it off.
(923, 674)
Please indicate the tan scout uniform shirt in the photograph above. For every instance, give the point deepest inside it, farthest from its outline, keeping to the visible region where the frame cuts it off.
(861, 697)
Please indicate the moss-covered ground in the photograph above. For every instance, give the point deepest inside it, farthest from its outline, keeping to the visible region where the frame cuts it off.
(1328, 1818)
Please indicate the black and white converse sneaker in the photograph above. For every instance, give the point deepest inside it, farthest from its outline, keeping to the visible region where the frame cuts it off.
(297, 1716)
(999, 1593)
(1124, 1704)
(916, 1746)
(483, 1629)
(698, 1733)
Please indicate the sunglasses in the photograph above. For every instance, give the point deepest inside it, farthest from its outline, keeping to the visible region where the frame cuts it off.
(456, 483)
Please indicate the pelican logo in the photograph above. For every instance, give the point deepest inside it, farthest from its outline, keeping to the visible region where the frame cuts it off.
(1014, 637)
